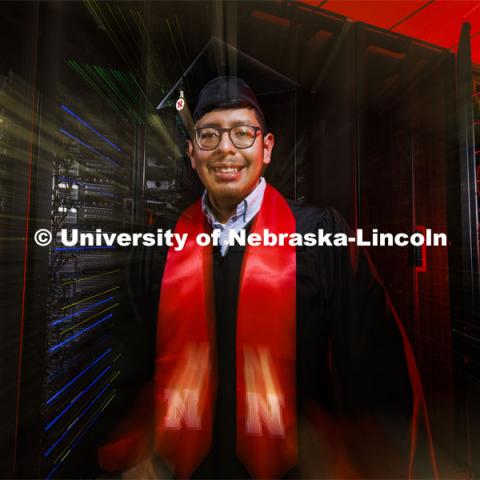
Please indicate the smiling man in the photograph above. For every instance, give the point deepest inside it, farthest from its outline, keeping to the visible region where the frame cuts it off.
(231, 147)
(270, 362)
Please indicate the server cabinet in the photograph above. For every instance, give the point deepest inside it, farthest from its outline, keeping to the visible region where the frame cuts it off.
(70, 147)
(383, 139)
(465, 270)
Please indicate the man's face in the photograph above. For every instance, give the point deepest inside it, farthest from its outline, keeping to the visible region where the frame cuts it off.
(230, 173)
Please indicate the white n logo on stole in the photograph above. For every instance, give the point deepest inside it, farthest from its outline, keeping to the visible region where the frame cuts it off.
(186, 389)
(264, 398)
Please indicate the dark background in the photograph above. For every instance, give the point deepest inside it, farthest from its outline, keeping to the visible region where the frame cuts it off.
(378, 125)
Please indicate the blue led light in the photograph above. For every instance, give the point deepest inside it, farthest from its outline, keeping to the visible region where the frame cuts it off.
(67, 430)
(86, 145)
(89, 425)
(69, 339)
(86, 309)
(74, 249)
(83, 122)
(80, 395)
(53, 470)
(60, 438)
(61, 178)
(85, 370)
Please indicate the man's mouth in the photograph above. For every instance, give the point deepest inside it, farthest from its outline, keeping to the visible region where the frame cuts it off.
(227, 173)
(227, 169)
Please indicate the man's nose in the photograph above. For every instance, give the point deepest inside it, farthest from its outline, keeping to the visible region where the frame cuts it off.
(225, 144)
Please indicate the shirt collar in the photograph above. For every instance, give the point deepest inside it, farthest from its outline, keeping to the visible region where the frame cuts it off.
(245, 210)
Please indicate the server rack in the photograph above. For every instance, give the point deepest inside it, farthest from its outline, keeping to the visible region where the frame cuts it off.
(78, 141)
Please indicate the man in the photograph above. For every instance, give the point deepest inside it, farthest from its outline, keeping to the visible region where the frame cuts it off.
(270, 361)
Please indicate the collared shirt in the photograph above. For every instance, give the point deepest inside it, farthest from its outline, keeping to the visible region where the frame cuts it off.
(246, 210)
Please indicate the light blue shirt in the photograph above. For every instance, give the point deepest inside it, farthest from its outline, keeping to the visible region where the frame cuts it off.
(246, 210)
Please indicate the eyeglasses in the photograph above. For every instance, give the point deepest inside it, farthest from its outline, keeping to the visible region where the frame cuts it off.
(242, 136)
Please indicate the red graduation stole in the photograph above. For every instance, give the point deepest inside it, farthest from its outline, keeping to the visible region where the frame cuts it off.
(185, 374)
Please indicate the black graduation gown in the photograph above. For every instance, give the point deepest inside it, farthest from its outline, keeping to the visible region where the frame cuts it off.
(354, 393)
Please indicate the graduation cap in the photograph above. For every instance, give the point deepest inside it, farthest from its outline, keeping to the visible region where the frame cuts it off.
(275, 92)
(218, 58)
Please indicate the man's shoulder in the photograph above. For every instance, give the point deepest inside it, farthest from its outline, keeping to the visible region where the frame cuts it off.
(305, 209)
(310, 218)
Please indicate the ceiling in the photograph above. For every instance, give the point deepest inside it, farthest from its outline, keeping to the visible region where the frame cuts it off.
(435, 21)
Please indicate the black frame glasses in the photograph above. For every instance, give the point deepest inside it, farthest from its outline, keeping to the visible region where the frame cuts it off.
(220, 131)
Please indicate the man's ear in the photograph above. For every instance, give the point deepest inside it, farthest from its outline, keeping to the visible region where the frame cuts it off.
(268, 143)
(190, 153)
